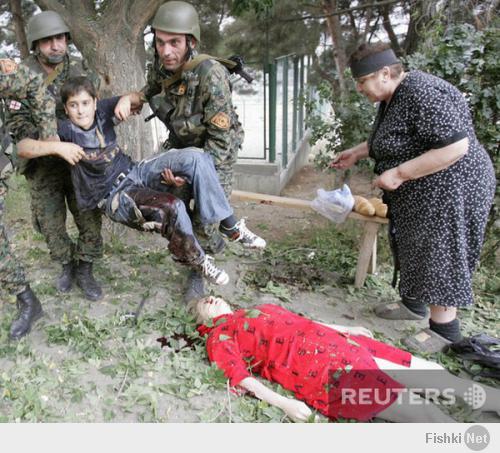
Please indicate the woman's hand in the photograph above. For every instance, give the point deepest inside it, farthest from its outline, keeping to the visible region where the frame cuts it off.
(346, 159)
(169, 179)
(389, 180)
(70, 152)
(296, 410)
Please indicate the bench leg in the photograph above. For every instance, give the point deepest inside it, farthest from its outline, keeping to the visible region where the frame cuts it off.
(366, 251)
(373, 260)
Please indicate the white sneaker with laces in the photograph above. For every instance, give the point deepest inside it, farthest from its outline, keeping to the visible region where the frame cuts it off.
(212, 273)
(246, 237)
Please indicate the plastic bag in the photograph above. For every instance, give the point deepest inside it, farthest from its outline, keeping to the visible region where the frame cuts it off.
(335, 204)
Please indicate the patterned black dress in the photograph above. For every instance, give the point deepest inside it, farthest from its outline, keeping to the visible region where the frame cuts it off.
(438, 220)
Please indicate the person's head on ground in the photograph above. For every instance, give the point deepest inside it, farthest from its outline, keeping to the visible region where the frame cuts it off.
(377, 71)
(208, 308)
(79, 97)
(176, 30)
(48, 37)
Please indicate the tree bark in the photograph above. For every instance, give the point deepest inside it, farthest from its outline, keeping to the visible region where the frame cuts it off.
(112, 42)
(419, 18)
(390, 31)
(17, 18)
(335, 30)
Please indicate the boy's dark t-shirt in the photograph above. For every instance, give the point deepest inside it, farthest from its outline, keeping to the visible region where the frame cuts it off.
(94, 175)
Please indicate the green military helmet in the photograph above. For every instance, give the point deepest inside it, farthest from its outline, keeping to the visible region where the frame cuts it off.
(177, 17)
(43, 25)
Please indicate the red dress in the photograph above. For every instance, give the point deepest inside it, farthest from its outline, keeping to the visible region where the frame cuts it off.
(313, 361)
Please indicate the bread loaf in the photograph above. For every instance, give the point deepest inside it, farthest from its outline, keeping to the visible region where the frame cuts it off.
(363, 206)
(380, 207)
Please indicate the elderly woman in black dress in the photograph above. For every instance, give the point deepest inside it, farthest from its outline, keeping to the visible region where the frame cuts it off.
(438, 182)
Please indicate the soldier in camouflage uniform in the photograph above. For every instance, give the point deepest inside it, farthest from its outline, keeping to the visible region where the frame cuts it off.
(20, 83)
(192, 96)
(49, 177)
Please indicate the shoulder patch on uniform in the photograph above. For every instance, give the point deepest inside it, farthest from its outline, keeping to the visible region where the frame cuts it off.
(221, 120)
(7, 66)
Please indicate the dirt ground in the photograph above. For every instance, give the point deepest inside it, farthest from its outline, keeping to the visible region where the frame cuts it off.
(89, 362)
(281, 221)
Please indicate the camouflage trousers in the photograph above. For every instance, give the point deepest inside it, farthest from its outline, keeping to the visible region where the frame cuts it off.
(12, 278)
(51, 192)
(208, 236)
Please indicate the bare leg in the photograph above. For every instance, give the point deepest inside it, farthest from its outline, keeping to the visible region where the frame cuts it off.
(440, 381)
(443, 314)
(414, 409)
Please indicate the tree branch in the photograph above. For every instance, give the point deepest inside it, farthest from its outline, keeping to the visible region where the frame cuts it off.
(17, 18)
(74, 8)
(342, 11)
(322, 73)
(141, 13)
(369, 15)
(390, 30)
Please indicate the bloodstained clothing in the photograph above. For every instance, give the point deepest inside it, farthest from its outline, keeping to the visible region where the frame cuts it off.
(314, 361)
(104, 161)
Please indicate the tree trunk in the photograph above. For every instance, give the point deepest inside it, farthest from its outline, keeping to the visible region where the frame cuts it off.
(112, 42)
(121, 68)
(17, 18)
(390, 31)
(335, 30)
(420, 15)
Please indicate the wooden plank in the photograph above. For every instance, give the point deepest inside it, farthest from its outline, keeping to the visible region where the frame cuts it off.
(274, 200)
(373, 261)
(365, 252)
(295, 203)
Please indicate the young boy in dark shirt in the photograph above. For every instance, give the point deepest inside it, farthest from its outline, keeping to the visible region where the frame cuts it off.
(133, 193)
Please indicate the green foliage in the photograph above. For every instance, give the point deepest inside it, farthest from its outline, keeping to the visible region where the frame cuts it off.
(258, 7)
(261, 36)
(468, 58)
(348, 125)
(82, 334)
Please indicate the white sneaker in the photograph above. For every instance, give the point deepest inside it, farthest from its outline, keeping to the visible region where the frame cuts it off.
(246, 237)
(212, 273)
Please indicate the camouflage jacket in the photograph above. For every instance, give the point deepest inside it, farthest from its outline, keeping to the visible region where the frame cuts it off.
(18, 114)
(197, 110)
(24, 85)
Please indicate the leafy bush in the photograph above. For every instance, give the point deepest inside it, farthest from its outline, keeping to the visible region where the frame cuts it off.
(468, 58)
(349, 123)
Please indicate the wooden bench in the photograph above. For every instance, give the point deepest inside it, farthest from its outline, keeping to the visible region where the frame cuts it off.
(367, 258)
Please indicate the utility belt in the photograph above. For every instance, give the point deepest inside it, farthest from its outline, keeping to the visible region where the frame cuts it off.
(116, 183)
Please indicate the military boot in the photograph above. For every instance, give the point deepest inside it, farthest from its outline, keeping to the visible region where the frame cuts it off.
(30, 310)
(195, 288)
(64, 282)
(86, 281)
